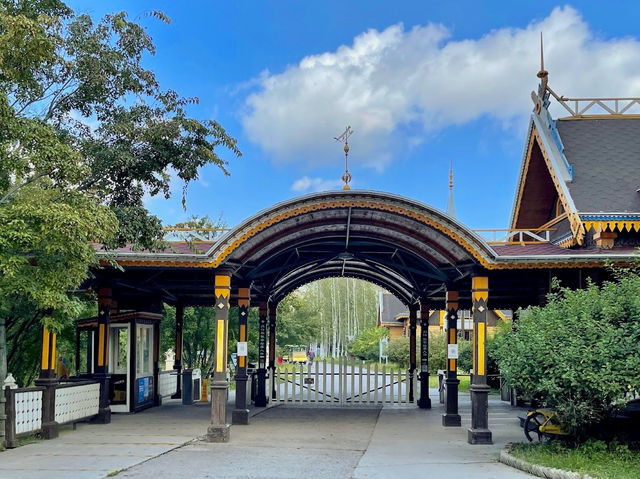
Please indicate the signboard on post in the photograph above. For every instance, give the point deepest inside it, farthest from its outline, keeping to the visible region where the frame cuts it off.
(242, 348)
(452, 351)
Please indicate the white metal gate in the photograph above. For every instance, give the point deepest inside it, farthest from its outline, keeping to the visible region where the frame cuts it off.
(342, 382)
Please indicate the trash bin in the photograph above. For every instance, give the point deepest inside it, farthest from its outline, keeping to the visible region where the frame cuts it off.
(187, 387)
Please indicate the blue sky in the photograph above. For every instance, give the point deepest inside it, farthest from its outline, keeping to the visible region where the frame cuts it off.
(421, 83)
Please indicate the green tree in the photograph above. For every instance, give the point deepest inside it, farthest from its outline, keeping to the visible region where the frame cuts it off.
(85, 132)
(579, 354)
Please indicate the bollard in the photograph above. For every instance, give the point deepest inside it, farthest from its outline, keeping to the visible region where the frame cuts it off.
(204, 395)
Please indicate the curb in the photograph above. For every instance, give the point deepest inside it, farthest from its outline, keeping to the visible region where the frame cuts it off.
(540, 471)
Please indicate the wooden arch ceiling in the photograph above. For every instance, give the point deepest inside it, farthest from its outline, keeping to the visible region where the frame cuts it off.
(406, 247)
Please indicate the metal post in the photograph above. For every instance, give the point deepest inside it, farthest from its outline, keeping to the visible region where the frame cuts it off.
(451, 416)
(101, 353)
(273, 313)
(261, 396)
(424, 402)
(240, 414)
(412, 347)
(479, 432)
(177, 364)
(219, 429)
(3, 375)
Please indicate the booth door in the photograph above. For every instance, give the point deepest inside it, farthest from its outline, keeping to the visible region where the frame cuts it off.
(119, 366)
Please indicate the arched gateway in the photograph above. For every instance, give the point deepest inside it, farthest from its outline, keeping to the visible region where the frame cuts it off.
(425, 258)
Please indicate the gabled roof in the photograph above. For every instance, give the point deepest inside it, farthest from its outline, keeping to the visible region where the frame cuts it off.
(586, 163)
(390, 308)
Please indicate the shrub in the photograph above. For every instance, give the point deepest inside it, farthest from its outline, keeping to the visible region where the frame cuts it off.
(366, 344)
(399, 351)
(579, 354)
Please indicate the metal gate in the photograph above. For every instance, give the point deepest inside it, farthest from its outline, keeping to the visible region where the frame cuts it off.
(341, 382)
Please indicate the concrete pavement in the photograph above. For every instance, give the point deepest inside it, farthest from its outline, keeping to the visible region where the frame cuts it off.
(281, 442)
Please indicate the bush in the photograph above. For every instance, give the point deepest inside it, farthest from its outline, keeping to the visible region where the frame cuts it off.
(399, 351)
(579, 354)
(366, 344)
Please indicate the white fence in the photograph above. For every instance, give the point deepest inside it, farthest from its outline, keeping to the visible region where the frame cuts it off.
(344, 383)
(28, 411)
(76, 402)
(167, 383)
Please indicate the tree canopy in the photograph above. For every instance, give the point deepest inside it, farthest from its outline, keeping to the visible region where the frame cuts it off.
(86, 132)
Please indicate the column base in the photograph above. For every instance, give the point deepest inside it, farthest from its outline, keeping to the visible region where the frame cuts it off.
(103, 416)
(451, 420)
(240, 417)
(50, 430)
(219, 433)
(424, 403)
(479, 436)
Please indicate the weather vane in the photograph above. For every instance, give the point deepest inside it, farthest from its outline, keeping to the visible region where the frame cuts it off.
(344, 138)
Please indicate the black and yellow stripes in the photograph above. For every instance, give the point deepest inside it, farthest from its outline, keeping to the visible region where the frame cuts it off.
(222, 290)
(452, 328)
(479, 297)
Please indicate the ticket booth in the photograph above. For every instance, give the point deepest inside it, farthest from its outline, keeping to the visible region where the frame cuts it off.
(134, 342)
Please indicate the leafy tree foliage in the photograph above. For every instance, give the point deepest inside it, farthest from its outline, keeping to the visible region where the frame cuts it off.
(85, 132)
(579, 354)
(367, 344)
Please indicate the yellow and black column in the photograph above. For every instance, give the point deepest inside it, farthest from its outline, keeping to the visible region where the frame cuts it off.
(273, 314)
(479, 432)
(47, 379)
(177, 364)
(413, 310)
(219, 430)
(101, 351)
(240, 414)
(261, 395)
(424, 402)
(451, 416)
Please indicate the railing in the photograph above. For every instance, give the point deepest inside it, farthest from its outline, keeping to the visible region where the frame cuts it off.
(73, 401)
(167, 383)
(76, 401)
(579, 107)
(26, 406)
(341, 382)
(516, 236)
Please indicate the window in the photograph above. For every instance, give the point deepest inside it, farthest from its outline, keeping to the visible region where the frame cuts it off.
(144, 345)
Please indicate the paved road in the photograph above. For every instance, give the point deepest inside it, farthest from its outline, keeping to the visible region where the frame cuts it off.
(281, 442)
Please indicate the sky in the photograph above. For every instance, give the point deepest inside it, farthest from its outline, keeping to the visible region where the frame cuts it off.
(422, 84)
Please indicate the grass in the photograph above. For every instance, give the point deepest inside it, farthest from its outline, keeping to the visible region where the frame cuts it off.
(596, 458)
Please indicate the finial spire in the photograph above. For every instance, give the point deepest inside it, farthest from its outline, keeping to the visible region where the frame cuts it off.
(451, 208)
(542, 74)
(344, 138)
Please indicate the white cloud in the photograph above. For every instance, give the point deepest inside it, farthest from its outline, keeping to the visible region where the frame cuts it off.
(305, 183)
(398, 87)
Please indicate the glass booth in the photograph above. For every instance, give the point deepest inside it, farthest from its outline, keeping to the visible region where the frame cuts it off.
(133, 345)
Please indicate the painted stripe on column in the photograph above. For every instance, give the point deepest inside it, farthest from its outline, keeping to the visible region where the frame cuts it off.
(481, 349)
(220, 346)
(52, 361)
(45, 349)
(101, 346)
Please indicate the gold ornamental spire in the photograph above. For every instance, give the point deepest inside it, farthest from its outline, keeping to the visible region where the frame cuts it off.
(344, 138)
